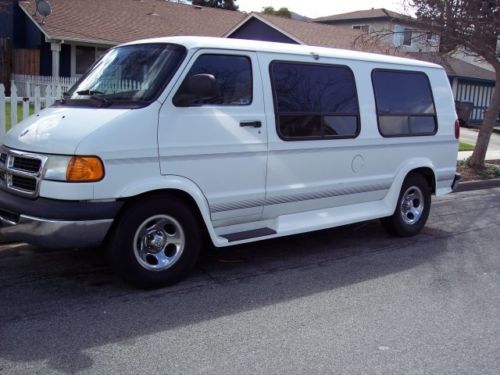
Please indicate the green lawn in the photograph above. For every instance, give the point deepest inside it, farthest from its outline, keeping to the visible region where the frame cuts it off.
(19, 113)
(465, 147)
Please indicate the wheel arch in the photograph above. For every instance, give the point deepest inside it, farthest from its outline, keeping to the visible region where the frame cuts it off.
(422, 166)
(181, 188)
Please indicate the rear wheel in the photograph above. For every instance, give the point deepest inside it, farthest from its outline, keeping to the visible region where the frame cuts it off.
(412, 209)
(156, 242)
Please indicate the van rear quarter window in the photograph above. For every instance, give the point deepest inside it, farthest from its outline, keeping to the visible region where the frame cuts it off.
(314, 101)
(405, 106)
(233, 77)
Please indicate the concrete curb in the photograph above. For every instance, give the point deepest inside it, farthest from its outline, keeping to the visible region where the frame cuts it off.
(477, 185)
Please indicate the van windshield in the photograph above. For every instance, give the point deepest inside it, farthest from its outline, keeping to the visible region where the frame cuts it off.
(129, 76)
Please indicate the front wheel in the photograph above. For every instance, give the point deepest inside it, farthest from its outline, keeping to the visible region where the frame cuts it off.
(155, 243)
(412, 209)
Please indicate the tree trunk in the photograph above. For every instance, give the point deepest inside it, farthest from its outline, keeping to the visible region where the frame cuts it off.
(490, 119)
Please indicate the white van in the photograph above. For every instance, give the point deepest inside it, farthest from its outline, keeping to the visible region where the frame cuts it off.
(165, 142)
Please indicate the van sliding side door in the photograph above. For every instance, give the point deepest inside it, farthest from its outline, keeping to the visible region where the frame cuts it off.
(317, 154)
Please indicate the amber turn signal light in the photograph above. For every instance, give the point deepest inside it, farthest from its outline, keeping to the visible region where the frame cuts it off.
(85, 169)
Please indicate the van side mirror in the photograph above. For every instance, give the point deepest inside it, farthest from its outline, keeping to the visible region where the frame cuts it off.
(202, 86)
(195, 90)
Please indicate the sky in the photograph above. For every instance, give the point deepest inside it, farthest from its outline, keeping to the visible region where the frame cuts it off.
(319, 8)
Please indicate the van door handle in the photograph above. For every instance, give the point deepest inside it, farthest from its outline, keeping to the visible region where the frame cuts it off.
(252, 124)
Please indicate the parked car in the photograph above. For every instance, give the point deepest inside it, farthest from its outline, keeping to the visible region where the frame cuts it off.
(165, 142)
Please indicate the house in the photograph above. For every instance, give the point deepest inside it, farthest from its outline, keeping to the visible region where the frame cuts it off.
(77, 32)
(393, 28)
(69, 40)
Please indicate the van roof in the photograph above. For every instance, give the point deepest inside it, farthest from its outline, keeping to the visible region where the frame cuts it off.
(195, 42)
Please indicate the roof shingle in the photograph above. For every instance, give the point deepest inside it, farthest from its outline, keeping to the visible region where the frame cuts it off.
(455, 67)
(118, 21)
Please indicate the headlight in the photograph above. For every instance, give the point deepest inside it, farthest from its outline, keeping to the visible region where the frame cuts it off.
(74, 168)
(55, 168)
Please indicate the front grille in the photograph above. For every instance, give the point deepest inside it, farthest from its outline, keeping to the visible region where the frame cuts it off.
(27, 164)
(20, 171)
(24, 183)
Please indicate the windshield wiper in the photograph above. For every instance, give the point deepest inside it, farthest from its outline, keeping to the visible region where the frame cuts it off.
(90, 92)
(95, 94)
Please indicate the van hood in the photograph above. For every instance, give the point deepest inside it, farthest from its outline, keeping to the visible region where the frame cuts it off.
(58, 130)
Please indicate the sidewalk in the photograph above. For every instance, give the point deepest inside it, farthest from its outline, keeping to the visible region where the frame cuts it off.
(470, 135)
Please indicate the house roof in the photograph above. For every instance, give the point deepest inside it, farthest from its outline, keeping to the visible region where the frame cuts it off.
(314, 34)
(118, 21)
(379, 13)
(455, 67)
(320, 35)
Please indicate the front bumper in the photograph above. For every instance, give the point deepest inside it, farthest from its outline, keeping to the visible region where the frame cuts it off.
(55, 234)
(55, 223)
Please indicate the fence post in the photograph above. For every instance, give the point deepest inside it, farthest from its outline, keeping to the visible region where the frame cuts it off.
(26, 107)
(58, 94)
(2, 112)
(48, 96)
(37, 99)
(13, 105)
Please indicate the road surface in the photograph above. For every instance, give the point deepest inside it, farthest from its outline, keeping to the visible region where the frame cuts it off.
(351, 300)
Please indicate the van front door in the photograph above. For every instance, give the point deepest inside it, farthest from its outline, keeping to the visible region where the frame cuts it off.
(216, 136)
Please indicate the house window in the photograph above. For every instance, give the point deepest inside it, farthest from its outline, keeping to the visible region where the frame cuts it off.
(431, 36)
(84, 57)
(314, 101)
(404, 101)
(363, 28)
(407, 37)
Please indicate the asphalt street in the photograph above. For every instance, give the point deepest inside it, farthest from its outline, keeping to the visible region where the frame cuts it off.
(350, 300)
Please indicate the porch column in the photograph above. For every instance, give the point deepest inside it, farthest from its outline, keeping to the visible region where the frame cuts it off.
(56, 51)
(454, 87)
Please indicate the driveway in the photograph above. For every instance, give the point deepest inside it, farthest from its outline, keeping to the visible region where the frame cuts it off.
(350, 300)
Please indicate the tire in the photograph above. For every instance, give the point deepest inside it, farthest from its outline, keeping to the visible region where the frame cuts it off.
(156, 242)
(412, 208)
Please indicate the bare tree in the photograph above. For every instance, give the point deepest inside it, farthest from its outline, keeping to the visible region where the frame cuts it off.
(474, 26)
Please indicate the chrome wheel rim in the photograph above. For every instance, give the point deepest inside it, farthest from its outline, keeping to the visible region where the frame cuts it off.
(159, 242)
(412, 205)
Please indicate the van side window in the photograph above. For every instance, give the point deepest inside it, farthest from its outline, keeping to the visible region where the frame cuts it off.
(314, 101)
(405, 106)
(233, 81)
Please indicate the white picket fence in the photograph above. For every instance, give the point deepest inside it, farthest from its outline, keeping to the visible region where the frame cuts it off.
(40, 97)
(38, 101)
(26, 83)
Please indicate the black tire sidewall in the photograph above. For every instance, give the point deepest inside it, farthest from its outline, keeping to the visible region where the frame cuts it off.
(395, 224)
(121, 250)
